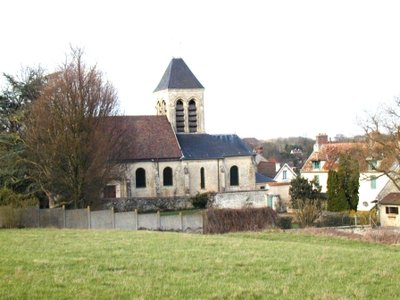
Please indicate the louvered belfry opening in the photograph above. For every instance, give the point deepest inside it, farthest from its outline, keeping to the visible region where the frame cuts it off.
(192, 116)
(180, 117)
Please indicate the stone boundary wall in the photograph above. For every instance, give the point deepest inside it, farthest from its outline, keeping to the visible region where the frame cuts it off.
(123, 213)
(102, 219)
(245, 199)
(143, 204)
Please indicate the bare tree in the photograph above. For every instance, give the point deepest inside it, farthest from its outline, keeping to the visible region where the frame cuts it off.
(72, 141)
(383, 139)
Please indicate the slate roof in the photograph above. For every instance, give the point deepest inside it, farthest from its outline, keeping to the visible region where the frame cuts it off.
(150, 137)
(260, 178)
(178, 76)
(206, 146)
(391, 199)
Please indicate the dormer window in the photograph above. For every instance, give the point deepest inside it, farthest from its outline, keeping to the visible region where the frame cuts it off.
(316, 164)
(372, 164)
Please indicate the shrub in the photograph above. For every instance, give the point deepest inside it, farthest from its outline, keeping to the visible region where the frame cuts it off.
(200, 200)
(284, 222)
(245, 219)
(12, 199)
(334, 219)
(307, 211)
(365, 217)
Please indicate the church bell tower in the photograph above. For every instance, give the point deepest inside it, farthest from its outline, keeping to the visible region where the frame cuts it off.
(180, 96)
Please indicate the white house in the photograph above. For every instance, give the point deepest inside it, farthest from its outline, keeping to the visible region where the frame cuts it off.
(325, 157)
(285, 174)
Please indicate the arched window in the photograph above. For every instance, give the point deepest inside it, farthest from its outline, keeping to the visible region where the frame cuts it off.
(202, 179)
(192, 116)
(167, 177)
(140, 178)
(180, 116)
(158, 108)
(234, 176)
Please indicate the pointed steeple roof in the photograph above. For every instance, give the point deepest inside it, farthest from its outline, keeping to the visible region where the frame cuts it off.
(178, 76)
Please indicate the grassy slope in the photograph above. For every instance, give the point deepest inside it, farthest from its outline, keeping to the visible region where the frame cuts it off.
(128, 264)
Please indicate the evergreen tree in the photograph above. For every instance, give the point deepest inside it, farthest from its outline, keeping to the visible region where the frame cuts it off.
(343, 185)
(15, 100)
(336, 197)
(306, 199)
(349, 175)
(302, 189)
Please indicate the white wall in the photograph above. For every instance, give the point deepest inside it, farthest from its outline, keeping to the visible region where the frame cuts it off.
(289, 175)
(366, 193)
(322, 178)
(388, 219)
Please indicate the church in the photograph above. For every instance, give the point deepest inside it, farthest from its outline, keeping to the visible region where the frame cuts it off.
(170, 155)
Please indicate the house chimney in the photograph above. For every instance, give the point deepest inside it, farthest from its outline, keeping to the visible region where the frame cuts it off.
(320, 140)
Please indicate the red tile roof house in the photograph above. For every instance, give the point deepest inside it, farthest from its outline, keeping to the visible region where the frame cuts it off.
(325, 157)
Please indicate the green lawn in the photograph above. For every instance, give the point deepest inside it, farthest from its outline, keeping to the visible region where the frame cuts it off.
(157, 265)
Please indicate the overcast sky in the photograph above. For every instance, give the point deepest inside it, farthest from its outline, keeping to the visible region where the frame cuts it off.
(269, 68)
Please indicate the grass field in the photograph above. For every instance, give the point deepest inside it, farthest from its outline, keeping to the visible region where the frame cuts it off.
(57, 264)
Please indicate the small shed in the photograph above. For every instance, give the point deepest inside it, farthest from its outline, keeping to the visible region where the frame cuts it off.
(389, 210)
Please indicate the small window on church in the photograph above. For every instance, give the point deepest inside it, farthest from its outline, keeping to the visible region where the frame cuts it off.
(167, 177)
(202, 179)
(140, 178)
(234, 176)
(192, 116)
(180, 117)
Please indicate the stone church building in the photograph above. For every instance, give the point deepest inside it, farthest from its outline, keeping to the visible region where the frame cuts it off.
(171, 155)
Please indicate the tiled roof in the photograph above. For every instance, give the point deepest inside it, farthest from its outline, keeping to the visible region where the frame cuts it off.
(262, 179)
(206, 146)
(150, 137)
(267, 168)
(330, 153)
(392, 198)
(178, 76)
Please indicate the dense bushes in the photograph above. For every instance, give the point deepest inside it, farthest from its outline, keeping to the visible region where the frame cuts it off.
(228, 220)
(284, 222)
(334, 219)
(200, 200)
(13, 199)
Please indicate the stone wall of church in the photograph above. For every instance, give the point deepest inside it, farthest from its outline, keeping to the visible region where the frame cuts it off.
(186, 177)
(247, 178)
